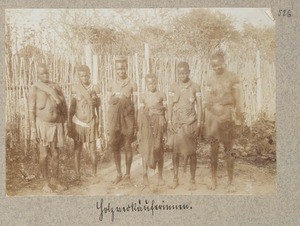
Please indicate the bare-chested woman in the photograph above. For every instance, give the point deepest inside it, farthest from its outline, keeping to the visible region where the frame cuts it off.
(184, 121)
(48, 112)
(122, 114)
(152, 128)
(84, 118)
(222, 104)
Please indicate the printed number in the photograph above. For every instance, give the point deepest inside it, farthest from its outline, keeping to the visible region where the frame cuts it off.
(285, 12)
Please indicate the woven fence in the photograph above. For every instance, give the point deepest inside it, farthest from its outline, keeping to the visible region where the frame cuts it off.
(62, 71)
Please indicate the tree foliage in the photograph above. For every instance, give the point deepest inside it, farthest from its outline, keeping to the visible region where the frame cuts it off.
(201, 31)
(260, 38)
(195, 32)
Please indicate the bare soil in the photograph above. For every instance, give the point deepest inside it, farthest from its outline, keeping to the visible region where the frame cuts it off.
(252, 176)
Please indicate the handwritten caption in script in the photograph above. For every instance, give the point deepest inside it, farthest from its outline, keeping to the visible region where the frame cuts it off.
(140, 206)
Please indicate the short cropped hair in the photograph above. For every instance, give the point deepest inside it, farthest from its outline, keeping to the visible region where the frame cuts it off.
(218, 55)
(42, 65)
(83, 68)
(183, 64)
(120, 59)
(151, 76)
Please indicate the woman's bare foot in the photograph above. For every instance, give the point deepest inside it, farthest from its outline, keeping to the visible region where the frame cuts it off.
(76, 179)
(192, 185)
(59, 187)
(118, 179)
(95, 180)
(174, 184)
(160, 181)
(230, 188)
(46, 188)
(126, 179)
(145, 180)
(213, 185)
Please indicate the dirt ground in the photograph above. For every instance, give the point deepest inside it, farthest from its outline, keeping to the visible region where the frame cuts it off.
(252, 176)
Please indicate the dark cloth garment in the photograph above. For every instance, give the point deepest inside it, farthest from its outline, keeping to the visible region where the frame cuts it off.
(220, 106)
(184, 139)
(224, 132)
(121, 116)
(227, 133)
(120, 122)
(86, 133)
(121, 113)
(152, 129)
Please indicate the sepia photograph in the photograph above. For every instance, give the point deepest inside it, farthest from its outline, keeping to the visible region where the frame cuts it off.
(140, 101)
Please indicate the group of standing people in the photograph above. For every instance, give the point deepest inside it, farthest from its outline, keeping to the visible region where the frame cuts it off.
(153, 119)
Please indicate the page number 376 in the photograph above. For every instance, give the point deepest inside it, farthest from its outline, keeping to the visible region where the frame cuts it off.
(285, 12)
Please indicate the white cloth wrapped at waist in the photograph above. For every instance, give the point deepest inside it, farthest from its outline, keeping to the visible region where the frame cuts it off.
(80, 123)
